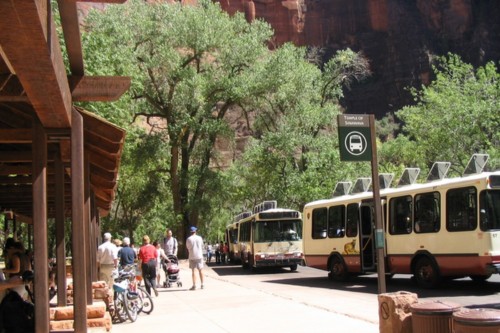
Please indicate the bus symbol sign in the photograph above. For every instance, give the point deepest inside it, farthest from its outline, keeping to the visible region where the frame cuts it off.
(354, 138)
(355, 143)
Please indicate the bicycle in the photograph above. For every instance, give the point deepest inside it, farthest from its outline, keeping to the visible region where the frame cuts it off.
(146, 300)
(127, 302)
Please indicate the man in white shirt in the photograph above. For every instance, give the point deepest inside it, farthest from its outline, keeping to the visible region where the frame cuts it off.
(107, 260)
(194, 245)
(170, 244)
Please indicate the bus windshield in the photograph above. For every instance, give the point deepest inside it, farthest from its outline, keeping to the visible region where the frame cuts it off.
(278, 231)
(490, 210)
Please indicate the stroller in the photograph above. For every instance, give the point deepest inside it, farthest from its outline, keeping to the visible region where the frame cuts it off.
(171, 271)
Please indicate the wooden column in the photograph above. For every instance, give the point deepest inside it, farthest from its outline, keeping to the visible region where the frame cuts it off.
(40, 228)
(93, 237)
(78, 215)
(86, 228)
(60, 241)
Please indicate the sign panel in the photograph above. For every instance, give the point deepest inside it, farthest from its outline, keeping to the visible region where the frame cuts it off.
(354, 137)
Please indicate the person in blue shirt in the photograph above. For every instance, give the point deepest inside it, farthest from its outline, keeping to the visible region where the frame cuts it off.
(126, 255)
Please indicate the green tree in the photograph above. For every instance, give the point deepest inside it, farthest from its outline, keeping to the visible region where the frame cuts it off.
(294, 157)
(190, 66)
(457, 115)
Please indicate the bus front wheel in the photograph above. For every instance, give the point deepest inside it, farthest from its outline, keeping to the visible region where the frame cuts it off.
(293, 267)
(426, 273)
(338, 270)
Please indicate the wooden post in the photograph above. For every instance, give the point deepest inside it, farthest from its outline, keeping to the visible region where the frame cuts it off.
(379, 225)
(86, 228)
(78, 236)
(60, 241)
(40, 268)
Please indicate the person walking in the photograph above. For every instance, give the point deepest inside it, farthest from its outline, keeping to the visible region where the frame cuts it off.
(194, 245)
(170, 244)
(107, 260)
(162, 258)
(126, 254)
(209, 252)
(148, 257)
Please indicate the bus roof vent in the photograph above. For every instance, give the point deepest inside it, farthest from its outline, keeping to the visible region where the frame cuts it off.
(476, 164)
(242, 216)
(385, 180)
(438, 171)
(265, 206)
(361, 185)
(342, 188)
(409, 176)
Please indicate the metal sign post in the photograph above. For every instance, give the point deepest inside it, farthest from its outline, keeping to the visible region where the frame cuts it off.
(357, 142)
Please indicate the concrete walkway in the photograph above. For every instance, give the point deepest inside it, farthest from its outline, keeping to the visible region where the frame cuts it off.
(226, 307)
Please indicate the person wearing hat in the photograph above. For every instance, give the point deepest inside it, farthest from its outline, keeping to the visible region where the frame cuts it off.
(107, 260)
(194, 245)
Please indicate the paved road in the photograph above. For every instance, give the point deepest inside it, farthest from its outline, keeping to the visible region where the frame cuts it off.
(233, 304)
(236, 300)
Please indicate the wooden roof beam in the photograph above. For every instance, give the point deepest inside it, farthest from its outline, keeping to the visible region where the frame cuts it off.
(29, 37)
(98, 88)
(71, 32)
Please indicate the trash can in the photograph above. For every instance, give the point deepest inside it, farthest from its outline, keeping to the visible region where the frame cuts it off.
(476, 321)
(433, 317)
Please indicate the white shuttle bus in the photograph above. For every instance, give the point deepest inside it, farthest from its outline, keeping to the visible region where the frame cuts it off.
(444, 228)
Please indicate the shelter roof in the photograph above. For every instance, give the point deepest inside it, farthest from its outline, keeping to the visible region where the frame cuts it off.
(35, 86)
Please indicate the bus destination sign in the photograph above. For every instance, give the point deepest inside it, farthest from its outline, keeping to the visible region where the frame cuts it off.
(354, 137)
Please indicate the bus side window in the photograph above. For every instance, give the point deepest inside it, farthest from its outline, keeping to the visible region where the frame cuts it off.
(400, 215)
(461, 209)
(427, 214)
(352, 220)
(336, 220)
(319, 223)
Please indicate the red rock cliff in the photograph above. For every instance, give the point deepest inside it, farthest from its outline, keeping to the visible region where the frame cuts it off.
(400, 37)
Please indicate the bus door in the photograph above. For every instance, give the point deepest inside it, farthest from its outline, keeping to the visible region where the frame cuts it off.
(366, 234)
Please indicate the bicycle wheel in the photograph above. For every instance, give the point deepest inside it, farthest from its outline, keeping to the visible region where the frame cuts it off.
(131, 305)
(147, 300)
(120, 312)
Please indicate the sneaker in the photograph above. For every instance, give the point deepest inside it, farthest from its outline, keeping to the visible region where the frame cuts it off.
(192, 288)
(201, 286)
(156, 292)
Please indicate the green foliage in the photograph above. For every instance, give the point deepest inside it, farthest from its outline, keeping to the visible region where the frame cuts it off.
(294, 158)
(189, 65)
(457, 115)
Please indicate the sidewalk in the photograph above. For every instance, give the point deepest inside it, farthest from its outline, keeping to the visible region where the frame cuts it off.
(226, 307)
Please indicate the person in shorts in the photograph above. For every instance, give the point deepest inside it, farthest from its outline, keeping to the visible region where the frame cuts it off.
(194, 245)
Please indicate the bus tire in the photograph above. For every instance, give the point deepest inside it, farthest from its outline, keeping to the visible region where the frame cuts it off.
(338, 270)
(293, 267)
(480, 278)
(426, 273)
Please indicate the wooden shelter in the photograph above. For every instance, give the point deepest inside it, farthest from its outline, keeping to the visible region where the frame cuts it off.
(57, 161)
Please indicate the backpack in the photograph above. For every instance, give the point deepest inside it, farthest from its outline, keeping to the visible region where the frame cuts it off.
(16, 314)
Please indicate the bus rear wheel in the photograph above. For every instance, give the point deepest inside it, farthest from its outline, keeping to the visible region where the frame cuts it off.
(338, 270)
(480, 278)
(293, 267)
(426, 273)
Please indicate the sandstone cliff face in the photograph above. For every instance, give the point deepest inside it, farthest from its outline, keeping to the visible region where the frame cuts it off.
(400, 37)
